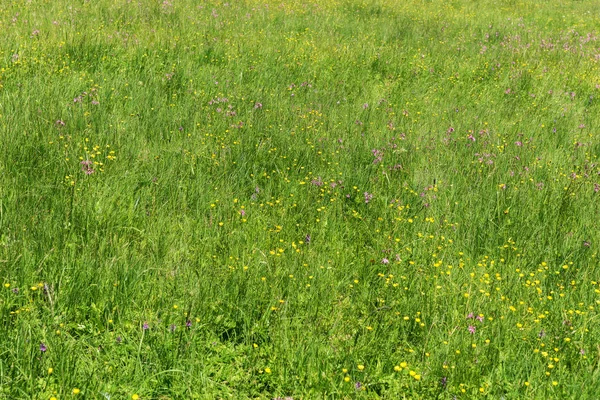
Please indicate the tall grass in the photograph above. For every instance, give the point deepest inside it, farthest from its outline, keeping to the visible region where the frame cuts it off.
(268, 199)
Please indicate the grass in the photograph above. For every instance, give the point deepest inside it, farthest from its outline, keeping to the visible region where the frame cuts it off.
(260, 199)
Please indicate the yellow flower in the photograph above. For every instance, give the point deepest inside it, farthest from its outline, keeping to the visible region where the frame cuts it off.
(361, 367)
(268, 370)
(135, 397)
(347, 379)
(50, 371)
(397, 368)
(76, 391)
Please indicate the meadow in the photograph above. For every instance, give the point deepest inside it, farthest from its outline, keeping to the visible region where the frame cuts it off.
(285, 199)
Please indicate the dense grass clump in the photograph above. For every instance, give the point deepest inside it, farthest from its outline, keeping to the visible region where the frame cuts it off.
(341, 199)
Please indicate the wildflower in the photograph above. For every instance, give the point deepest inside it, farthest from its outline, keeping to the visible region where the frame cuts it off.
(368, 197)
(385, 261)
(145, 326)
(361, 367)
(470, 316)
(258, 105)
(268, 370)
(317, 182)
(479, 318)
(135, 397)
(119, 339)
(307, 239)
(357, 386)
(86, 167)
(76, 391)
(43, 347)
(378, 154)
(444, 381)
(471, 329)
(188, 324)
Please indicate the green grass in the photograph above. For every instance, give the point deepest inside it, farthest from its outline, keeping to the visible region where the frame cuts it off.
(340, 199)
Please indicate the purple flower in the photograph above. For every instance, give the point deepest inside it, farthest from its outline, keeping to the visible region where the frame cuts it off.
(258, 105)
(119, 339)
(43, 347)
(582, 351)
(243, 213)
(15, 290)
(307, 239)
(471, 329)
(145, 326)
(188, 323)
(317, 182)
(86, 167)
(378, 154)
(357, 385)
(385, 261)
(444, 381)
(368, 197)
(470, 316)
(479, 318)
